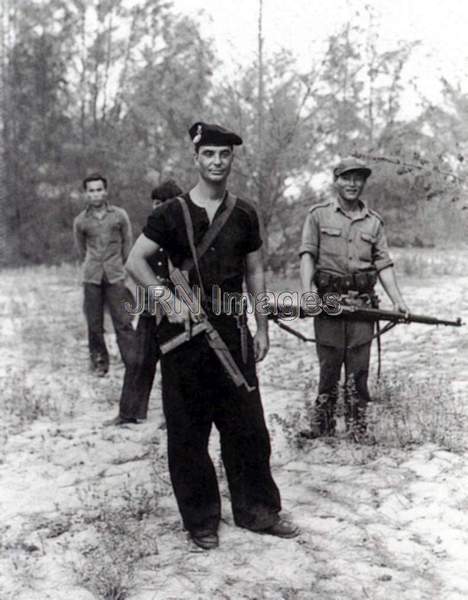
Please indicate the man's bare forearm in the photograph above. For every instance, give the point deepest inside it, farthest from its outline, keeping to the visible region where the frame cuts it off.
(255, 281)
(139, 269)
(307, 272)
(390, 285)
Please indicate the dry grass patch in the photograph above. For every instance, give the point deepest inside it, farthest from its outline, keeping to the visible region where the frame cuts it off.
(121, 532)
(407, 412)
(404, 412)
(23, 402)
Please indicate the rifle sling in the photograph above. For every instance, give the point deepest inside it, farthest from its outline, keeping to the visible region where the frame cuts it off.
(277, 320)
(190, 236)
(211, 234)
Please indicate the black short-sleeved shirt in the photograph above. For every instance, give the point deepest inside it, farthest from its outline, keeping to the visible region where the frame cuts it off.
(158, 264)
(223, 263)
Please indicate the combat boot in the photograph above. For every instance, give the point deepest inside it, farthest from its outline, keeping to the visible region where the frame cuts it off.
(355, 419)
(323, 422)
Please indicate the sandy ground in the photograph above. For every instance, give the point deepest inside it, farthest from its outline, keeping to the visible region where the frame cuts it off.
(87, 512)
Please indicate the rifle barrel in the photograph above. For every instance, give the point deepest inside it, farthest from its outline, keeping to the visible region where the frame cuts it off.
(376, 314)
(365, 314)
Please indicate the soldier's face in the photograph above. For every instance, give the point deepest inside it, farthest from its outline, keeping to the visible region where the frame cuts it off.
(349, 185)
(214, 162)
(95, 192)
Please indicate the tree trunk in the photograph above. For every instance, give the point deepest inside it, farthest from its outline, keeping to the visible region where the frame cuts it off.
(260, 131)
(7, 238)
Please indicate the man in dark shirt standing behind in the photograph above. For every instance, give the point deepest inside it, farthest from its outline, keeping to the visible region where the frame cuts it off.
(197, 391)
(103, 237)
(139, 375)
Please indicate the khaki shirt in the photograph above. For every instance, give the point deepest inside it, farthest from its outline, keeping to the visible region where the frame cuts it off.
(104, 242)
(345, 243)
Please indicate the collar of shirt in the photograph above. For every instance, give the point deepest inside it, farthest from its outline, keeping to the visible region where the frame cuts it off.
(363, 210)
(91, 209)
(220, 209)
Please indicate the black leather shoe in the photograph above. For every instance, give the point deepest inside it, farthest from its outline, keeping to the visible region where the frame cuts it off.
(205, 539)
(282, 529)
(99, 366)
(99, 370)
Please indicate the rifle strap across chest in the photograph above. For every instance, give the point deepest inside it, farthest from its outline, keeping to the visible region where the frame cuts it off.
(210, 235)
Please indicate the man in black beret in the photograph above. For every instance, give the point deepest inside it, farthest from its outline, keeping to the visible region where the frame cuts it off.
(203, 134)
(344, 250)
(215, 237)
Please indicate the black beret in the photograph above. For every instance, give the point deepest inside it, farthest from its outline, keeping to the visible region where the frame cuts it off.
(205, 134)
(351, 164)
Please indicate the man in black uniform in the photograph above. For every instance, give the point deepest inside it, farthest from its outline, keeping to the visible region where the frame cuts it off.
(344, 250)
(140, 372)
(197, 391)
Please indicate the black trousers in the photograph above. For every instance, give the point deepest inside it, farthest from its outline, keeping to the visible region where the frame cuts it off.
(140, 372)
(114, 295)
(197, 393)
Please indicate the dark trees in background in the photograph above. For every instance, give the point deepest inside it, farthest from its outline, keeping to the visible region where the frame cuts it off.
(111, 85)
(35, 133)
(93, 85)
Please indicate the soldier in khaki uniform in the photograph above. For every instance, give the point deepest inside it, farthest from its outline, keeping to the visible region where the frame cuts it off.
(344, 250)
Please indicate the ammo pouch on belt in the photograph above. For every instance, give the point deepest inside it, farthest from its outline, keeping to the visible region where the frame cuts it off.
(362, 282)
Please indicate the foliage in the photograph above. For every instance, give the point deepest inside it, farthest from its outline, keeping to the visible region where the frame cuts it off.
(78, 97)
(96, 85)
